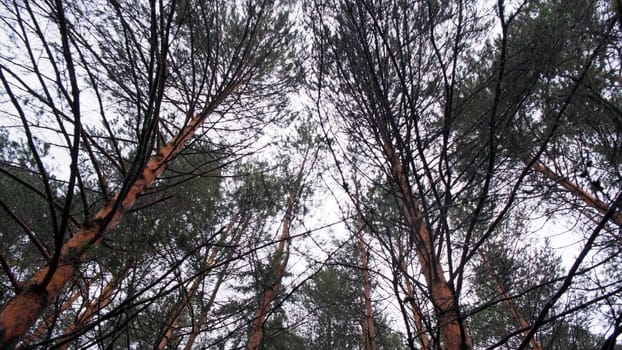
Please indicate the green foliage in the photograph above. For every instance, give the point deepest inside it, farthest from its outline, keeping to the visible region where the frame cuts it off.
(334, 306)
(528, 276)
(419, 86)
(278, 335)
(333, 299)
(22, 191)
(550, 44)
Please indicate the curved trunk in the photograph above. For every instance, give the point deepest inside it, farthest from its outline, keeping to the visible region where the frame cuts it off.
(522, 323)
(442, 295)
(255, 338)
(44, 325)
(93, 307)
(178, 309)
(281, 254)
(198, 323)
(415, 309)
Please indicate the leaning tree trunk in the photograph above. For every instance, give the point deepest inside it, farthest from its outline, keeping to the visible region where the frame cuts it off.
(522, 323)
(281, 254)
(442, 295)
(578, 192)
(19, 313)
(178, 310)
(414, 307)
(45, 325)
(255, 339)
(200, 321)
(93, 307)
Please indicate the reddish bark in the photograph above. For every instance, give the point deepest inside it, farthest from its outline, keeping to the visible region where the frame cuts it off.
(178, 313)
(279, 261)
(415, 309)
(586, 197)
(178, 310)
(535, 345)
(44, 325)
(442, 295)
(200, 321)
(418, 317)
(206, 308)
(94, 307)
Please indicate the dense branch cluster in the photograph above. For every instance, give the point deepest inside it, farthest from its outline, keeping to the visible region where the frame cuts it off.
(352, 174)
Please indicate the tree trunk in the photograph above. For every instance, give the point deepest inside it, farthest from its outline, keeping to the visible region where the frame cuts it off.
(576, 191)
(445, 304)
(44, 326)
(19, 313)
(415, 309)
(522, 323)
(198, 323)
(93, 307)
(279, 262)
(442, 295)
(178, 309)
(369, 330)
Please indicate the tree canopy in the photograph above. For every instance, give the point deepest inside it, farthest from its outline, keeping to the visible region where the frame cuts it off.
(282, 174)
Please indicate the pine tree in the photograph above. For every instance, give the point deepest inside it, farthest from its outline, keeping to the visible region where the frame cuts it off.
(151, 75)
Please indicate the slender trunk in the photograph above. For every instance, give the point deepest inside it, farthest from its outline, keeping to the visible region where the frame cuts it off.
(20, 312)
(93, 307)
(205, 309)
(445, 304)
(279, 262)
(369, 331)
(576, 191)
(522, 323)
(178, 309)
(412, 301)
(200, 321)
(418, 317)
(255, 338)
(415, 309)
(442, 295)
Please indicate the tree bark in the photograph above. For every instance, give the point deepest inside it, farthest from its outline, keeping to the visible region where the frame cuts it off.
(415, 309)
(445, 304)
(279, 261)
(579, 193)
(178, 309)
(205, 309)
(522, 323)
(44, 325)
(93, 307)
(418, 317)
(441, 294)
(196, 327)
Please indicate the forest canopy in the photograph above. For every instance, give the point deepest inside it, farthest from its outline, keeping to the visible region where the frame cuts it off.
(282, 174)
